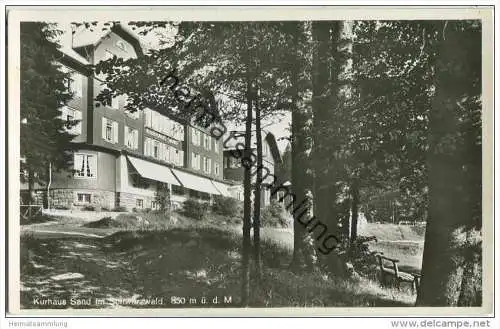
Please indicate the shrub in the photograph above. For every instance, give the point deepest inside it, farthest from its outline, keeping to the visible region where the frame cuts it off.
(61, 207)
(88, 208)
(195, 209)
(104, 209)
(274, 215)
(227, 206)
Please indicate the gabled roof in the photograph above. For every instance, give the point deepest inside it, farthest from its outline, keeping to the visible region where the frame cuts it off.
(84, 37)
(236, 136)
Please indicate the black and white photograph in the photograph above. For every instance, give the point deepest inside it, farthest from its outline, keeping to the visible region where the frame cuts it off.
(252, 163)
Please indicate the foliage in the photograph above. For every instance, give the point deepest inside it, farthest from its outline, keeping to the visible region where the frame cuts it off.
(162, 196)
(195, 209)
(44, 135)
(273, 215)
(227, 206)
(119, 209)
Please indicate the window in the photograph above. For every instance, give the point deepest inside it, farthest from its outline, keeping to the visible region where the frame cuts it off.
(155, 205)
(85, 165)
(131, 138)
(207, 165)
(195, 161)
(71, 115)
(216, 168)
(196, 137)
(207, 141)
(139, 203)
(83, 197)
(216, 145)
(109, 130)
(156, 149)
(163, 124)
(75, 84)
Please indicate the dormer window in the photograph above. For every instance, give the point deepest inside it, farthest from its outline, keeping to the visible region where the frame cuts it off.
(120, 44)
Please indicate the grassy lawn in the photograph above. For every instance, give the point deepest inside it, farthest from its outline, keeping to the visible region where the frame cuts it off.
(126, 267)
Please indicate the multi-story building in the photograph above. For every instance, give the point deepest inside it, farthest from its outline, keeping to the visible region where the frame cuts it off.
(122, 159)
(234, 171)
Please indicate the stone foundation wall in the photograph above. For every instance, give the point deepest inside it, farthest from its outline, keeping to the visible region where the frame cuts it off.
(129, 200)
(66, 198)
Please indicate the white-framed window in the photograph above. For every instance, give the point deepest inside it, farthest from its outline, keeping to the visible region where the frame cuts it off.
(207, 142)
(167, 153)
(75, 84)
(69, 115)
(85, 165)
(196, 137)
(207, 165)
(109, 130)
(216, 168)
(163, 124)
(195, 161)
(216, 145)
(139, 203)
(131, 137)
(156, 149)
(83, 197)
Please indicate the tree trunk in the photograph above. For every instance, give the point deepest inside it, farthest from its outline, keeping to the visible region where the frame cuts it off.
(247, 191)
(301, 148)
(354, 211)
(257, 195)
(324, 180)
(31, 186)
(446, 267)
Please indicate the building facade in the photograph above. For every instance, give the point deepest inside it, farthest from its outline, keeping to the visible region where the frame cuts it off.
(234, 171)
(123, 159)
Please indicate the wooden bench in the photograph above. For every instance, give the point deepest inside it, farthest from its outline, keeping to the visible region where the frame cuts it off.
(394, 272)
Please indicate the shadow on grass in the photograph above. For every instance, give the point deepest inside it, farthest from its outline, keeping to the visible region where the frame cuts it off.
(193, 263)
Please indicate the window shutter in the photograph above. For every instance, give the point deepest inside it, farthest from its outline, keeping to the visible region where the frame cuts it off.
(125, 135)
(115, 132)
(104, 122)
(136, 139)
(181, 158)
(147, 146)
